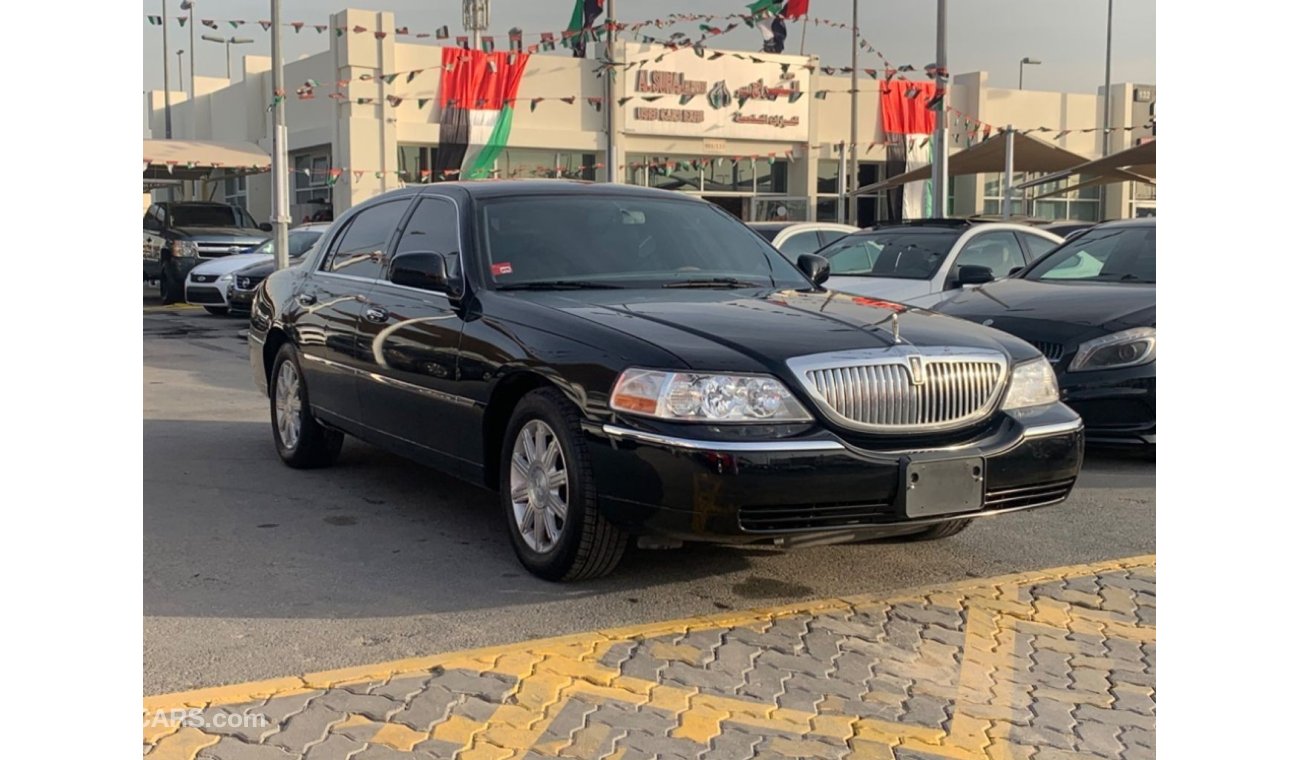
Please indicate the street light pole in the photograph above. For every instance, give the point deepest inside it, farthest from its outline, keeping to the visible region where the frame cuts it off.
(279, 155)
(1105, 103)
(611, 97)
(1026, 61)
(180, 67)
(167, 81)
(188, 5)
(939, 142)
(852, 214)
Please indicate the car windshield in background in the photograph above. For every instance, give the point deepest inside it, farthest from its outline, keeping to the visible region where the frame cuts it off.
(300, 241)
(209, 216)
(581, 241)
(904, 254)
(1107, 254)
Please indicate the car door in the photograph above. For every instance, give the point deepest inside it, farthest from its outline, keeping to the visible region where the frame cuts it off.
(999, 250)
(153, 233)
(410, 340)
(330, 301)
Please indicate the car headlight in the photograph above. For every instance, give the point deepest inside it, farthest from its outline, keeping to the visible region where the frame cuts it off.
(185, 248)
(705, 397)
(244, 283)
(1033, 383)
(1126, 348)
(225, 278)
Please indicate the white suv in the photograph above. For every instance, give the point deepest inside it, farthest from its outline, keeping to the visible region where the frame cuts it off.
(915, 262)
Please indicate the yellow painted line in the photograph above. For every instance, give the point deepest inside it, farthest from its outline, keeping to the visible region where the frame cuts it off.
(521, 657)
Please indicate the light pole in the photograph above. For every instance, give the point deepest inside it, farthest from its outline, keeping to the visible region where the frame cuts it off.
(939, 141)
(852, 214)
(227, 43)
(1105, 103)
(474, 17)
(180, 67)
(279, 147)
(1026, 61)
(611, 136)
(167, 82)
(188, 5)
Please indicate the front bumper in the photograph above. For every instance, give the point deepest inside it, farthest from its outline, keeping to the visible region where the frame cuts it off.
(240, 300)
(816, 488)
(1117, 406)
(204, 294)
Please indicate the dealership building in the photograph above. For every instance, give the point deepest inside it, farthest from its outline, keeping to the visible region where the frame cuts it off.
(761, 135)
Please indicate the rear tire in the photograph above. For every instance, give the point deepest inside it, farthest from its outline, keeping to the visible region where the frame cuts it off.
(301, 441)
(219, 311)
(548, 493)
(942, 530)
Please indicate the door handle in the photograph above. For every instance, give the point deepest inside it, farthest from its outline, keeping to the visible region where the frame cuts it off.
(375, 314)
(306, 299)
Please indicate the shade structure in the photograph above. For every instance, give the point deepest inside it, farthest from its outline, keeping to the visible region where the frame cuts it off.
(1031, 155)
(1131, 164)
(173, 160)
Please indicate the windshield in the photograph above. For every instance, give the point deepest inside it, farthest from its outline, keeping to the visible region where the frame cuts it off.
(904, 254)
(625, 242)
(300, 241)
(210, 216)
(1115, 254)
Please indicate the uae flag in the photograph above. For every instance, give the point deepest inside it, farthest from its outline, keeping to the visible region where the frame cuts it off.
(580, 23)
(769, 17)
(908, 125)
(477, 96)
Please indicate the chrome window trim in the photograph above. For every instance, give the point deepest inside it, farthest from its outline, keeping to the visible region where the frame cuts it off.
(899, 355)
(619, 433)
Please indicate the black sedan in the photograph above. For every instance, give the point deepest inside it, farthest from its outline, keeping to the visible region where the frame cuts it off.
(620, 361)
(1090, 307)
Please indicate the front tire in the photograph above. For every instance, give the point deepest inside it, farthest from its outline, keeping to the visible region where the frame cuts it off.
(165, 286)
(548, 493)
(219, 311)
(301, 441)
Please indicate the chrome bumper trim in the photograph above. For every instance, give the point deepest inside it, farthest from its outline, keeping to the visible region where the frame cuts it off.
(621, 433)
(1060, 428)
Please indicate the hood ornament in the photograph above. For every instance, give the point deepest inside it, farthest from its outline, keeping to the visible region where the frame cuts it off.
(895, 321)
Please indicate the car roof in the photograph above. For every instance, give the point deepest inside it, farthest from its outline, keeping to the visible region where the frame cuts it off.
(1145, 221)
(770, 226)
(495, 188)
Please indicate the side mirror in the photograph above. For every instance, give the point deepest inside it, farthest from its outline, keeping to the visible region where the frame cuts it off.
(973, 274)
(423, 270)
(265, 227)
(815, 267)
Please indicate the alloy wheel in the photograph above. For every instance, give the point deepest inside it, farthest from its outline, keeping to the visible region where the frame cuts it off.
(288, 405)
(539, 486)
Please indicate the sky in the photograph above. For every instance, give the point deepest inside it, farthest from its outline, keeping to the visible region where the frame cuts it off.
(1068, 36)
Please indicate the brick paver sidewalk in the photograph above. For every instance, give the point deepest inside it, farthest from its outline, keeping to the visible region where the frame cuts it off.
(1046, 665)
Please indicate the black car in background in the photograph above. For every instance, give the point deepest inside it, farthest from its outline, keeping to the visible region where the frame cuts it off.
(1090, 307)
(243, 282)
(620, 361)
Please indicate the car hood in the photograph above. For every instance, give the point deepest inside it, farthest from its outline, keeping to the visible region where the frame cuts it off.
(1104, 307)
(889, 288)
(231, 235)
(228, 264)
(749, 330)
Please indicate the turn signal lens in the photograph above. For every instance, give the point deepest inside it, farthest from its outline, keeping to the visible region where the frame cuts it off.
(688, 396)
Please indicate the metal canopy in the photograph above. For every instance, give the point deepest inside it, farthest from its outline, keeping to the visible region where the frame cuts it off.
(196, 159)
(1031, 155)
(1136, 164)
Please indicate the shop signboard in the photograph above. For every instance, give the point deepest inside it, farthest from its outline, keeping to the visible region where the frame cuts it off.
(751, 97)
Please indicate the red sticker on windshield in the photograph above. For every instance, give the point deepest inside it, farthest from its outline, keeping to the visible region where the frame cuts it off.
(500, 269)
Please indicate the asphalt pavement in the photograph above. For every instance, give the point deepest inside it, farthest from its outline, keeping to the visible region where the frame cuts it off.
(253, 570)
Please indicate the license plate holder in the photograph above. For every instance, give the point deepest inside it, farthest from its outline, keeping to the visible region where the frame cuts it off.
(933, 488)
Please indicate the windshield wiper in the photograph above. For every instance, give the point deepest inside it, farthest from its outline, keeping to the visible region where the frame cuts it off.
(714, 282)
(559, 285)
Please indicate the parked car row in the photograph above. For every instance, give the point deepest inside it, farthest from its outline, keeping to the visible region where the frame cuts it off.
(227, 283)
(180, 236)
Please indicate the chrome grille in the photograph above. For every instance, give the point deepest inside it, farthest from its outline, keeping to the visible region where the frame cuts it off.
(1053, 351)
(879, 392)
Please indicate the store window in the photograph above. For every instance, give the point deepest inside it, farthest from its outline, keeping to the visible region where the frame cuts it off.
(1079, 205)
(415, 163)
(771, 176)
(311, 173)
(235, 191)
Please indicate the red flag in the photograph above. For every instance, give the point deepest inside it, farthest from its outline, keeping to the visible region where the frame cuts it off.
(795, 9)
